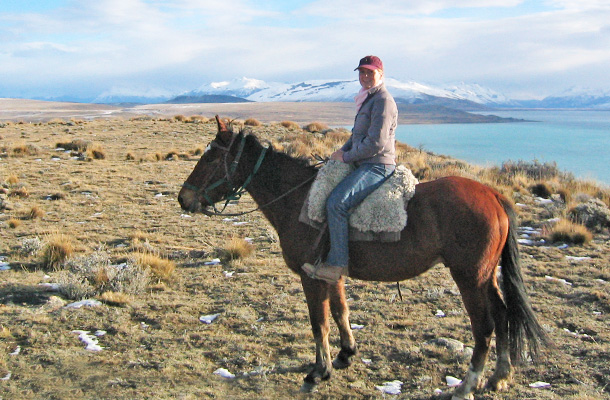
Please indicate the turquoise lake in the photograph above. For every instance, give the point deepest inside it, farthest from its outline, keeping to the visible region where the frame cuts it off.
(578, 141)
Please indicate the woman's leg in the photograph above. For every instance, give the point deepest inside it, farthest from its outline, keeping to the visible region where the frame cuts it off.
(348, 194)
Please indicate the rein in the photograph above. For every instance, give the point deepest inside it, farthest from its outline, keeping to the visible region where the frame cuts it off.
(235, 193)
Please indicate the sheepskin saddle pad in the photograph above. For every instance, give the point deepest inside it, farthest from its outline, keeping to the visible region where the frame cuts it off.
(383, 211)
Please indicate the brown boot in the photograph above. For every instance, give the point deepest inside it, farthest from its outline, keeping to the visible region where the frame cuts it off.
(324, 272)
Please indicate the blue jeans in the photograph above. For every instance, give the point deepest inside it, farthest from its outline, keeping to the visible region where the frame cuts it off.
(348, 194)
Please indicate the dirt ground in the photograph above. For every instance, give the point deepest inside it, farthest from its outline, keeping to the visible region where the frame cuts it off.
(156, 347)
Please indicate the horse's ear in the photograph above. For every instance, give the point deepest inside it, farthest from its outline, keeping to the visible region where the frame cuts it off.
(221, 125)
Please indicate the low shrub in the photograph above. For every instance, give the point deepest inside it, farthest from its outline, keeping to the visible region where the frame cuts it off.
(12, 180)
(23, 150)
(74, 145)
(35, 212)
(161, 268)
(238, 248)
(13, 223)
(315, 127)
(57, 249)
(290, 125)
(566, 231)
(533, 169)
(542, 189)
(96, 152)
(94, 275)
(115, 298)
(252, 122)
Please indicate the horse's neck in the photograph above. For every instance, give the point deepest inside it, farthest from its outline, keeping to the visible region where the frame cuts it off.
(280, 188)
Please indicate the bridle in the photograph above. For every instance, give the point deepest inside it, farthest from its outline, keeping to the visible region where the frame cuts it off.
(235, 191)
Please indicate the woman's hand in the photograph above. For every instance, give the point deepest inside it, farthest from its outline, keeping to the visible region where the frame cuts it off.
(337, 156)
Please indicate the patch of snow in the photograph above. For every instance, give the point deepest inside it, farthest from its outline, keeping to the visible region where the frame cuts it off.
(539, 385)
(90, 341)
(224, 373)
(439, 313)
(208, 319)
(356, 326)
(573, 258)
(85, 303)
(452, 381)
(215, 261)
(16, 351)
(393, 387)
(559, 280)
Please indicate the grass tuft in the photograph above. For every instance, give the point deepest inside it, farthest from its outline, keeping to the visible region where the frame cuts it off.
(290, 125)
(566, 231)
(238, 248)
(161, 268)
(13, 223)
(35, 212)
(115, 298)
(57, 249)
(315, 127)
(252, 122)
(96, 152)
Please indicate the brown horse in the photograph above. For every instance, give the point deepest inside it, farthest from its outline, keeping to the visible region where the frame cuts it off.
(467, 226)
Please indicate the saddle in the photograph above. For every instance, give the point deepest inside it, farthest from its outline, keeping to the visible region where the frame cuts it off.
(380, 217)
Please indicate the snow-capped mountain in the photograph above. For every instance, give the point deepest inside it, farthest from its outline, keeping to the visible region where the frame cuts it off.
(462, 96)
(458, 95)
(576, 97)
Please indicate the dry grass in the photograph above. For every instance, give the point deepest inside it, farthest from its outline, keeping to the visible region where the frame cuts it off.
(290, 125)
(57, 249)
(263, 333)
(96, 152)
(35, 212)
(238, 248)
(115, 298)
(161, 268)
(24, 150)
(566, 231)
(13, 223)
(20, 192)
(315, 127)
(12, 180)
(74, 145)
(252, 122)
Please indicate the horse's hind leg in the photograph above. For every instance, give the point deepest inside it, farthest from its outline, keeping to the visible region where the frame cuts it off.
(317, 295)
(503, 372)
(478, 308)
(340, 312)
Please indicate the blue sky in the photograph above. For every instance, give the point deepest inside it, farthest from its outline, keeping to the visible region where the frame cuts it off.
(523, 49)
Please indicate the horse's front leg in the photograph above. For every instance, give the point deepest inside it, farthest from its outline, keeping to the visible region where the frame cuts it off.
(317, 295)
(340, 312)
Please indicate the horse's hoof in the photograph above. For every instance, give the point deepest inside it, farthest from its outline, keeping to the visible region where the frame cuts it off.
(345, 358)
(497, 385)
(341, 363)
(308, 387)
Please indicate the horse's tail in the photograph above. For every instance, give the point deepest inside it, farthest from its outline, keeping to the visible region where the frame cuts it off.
(523, 327)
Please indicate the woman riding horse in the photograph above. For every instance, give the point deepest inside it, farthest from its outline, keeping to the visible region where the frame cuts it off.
(465, 225)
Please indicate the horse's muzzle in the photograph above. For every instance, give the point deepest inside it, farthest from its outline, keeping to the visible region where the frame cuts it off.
(188, 201)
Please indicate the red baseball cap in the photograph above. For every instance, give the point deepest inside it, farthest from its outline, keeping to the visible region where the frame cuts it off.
(370, 62)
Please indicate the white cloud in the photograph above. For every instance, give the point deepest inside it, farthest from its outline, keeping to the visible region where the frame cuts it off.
(191, 41)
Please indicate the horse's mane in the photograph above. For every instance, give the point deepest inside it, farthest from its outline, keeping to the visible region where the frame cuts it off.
(280, 172)
(276, 155)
